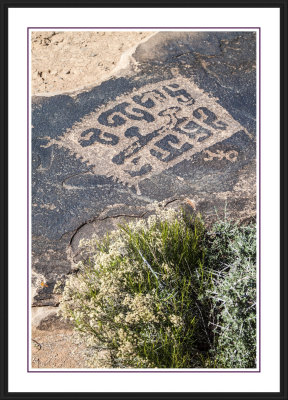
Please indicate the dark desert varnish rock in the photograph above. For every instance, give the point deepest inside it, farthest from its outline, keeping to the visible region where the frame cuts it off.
(181, 124)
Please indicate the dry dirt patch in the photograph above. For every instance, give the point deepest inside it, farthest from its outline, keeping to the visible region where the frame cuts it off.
(70, 60)
(56, 349)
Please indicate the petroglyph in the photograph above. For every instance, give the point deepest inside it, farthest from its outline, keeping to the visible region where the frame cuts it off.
(149, 130)
(220, 155)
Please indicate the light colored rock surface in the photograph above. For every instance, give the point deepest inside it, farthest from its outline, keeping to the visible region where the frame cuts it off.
(47, 319)
(40, 313)
(70, 60)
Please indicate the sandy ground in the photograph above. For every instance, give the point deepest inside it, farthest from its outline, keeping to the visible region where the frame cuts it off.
(56, 349)
(64, 62)
(68, 61)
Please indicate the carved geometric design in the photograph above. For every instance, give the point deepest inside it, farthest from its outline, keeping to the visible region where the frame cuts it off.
(148, 130)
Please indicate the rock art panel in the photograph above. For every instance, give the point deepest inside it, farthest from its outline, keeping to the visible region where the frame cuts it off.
(148, 131)
(179, 126)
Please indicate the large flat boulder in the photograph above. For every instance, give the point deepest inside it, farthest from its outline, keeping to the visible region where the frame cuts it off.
(179, 123)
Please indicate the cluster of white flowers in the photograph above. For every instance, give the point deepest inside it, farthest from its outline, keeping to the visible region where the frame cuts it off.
(162, 214)
(98, 302)
(176, 320)
(100, 359)
(140, 310)
(168, 271)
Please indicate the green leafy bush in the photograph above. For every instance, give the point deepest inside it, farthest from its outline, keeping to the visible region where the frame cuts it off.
(232, 256)
(155, 293)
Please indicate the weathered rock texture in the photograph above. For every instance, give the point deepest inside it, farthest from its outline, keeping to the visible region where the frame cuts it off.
(179, 123)
(64, 61)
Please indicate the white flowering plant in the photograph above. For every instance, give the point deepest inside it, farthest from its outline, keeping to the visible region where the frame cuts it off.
(145, 298)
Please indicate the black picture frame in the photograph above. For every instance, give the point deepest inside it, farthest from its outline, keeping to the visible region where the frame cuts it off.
(282, 5)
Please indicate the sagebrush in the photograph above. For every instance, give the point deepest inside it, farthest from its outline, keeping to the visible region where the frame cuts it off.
(167, 293)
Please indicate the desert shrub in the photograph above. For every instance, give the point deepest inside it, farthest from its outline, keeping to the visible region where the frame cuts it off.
(155, 293)
(232, 256)
(135, 301)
